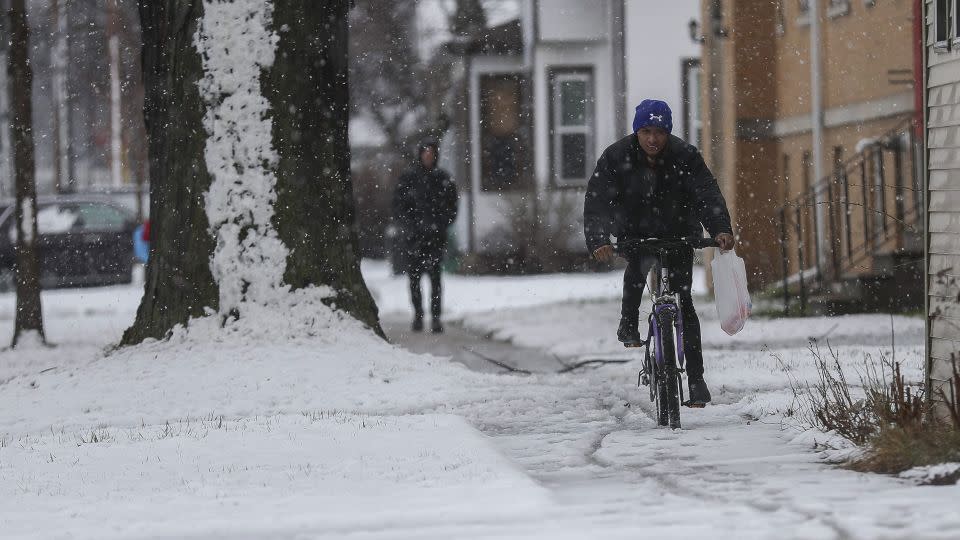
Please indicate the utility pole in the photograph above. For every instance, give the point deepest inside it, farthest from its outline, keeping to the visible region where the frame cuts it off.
(63, 179)
(116, 128)
(816, 144)
(6, 157)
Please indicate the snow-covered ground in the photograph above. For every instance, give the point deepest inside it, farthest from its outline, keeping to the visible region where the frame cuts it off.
(270, 432)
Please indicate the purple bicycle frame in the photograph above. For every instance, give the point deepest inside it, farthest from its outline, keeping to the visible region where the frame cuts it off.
(678, 326)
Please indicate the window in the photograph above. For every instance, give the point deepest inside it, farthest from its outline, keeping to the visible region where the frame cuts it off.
(502, 157)
(781, 20)
(803, 7)
(838, 8)
(941, 25)
(690, 86)
(101, 217)
(572, 115)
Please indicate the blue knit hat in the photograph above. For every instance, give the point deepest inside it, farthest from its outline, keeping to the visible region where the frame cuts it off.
(653, 113)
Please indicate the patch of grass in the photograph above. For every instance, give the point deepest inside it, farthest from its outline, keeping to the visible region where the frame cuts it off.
(893, 421)
(98, 435)
(893, 450)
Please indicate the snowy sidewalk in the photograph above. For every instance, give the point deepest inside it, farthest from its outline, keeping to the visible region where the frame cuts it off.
(274, 434)
(739, 468)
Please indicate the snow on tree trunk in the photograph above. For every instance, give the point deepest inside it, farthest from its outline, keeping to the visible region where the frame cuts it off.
(29, 319)
(236, 45)
(253, 120)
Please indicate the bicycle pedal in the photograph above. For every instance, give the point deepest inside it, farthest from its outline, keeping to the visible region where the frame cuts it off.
(692, 405)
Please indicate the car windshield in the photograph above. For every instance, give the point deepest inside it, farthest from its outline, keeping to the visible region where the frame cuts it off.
(56, 219)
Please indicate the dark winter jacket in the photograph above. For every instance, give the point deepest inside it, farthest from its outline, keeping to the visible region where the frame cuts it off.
(424, 206)
(629, 198)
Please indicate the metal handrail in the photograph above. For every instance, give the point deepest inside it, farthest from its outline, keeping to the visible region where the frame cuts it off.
(859, 222)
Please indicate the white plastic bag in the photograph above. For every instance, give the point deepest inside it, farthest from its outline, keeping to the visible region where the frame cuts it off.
(730, 290)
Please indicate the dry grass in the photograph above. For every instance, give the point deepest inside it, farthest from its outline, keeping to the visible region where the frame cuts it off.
(894, 422)
(894, 450)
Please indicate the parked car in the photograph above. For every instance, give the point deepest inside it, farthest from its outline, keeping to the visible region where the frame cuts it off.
(83, 241)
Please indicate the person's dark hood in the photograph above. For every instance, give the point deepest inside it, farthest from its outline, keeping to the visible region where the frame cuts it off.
(429, 142)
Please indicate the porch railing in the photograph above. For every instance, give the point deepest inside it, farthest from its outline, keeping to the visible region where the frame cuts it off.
(870, 205)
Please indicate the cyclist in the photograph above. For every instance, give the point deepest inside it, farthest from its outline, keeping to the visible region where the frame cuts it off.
(652, 184)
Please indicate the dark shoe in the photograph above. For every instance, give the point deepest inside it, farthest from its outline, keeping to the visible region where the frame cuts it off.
(628, 334)
(418, 324)
(699, 393)
(436, 327)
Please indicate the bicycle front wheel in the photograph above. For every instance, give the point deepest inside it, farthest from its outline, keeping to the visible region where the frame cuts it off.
(668, 378)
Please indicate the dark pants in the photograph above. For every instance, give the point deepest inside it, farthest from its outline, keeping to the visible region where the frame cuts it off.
(416, 294)
(424, 256)
(680, 266)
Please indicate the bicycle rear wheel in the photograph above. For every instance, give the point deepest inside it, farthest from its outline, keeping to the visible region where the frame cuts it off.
(668, 379)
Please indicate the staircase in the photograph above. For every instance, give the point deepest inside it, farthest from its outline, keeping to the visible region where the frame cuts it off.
(870, 232)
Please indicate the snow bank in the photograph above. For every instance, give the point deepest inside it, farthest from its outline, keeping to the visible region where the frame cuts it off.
(323, 472)
(944, 473)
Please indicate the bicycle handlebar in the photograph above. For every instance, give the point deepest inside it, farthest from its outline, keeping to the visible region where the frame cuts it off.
(695, 242)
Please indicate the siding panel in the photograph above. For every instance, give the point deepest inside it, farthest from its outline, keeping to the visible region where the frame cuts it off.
(944, 201)
(944, 307)
(948, 222)
(946, 179)
(943, 286)
(948, 264)
(941, 349)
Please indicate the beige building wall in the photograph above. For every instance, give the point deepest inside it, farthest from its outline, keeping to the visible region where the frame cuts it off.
(759, 122)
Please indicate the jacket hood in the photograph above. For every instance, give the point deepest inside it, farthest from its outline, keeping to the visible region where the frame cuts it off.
(429, 142)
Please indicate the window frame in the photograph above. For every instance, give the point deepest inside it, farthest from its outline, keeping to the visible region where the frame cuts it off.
(557, 75)
(780, 19)
(954, 7)
(941, 25)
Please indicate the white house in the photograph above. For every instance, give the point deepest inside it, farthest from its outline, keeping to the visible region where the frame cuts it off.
(546, 93)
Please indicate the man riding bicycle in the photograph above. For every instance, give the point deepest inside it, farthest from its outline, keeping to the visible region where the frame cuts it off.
(654, 185)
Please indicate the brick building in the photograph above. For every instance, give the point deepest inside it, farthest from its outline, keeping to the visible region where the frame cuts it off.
(847, 224)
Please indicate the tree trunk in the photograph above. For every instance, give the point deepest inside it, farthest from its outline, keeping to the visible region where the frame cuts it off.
(29, 317)
(178, 284)
(308, 93)
(314, 215)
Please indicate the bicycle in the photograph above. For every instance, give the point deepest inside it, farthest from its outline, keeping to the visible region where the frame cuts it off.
(663, 370)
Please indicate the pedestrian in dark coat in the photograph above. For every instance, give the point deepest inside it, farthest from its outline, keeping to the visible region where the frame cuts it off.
(652, 184)
(424, 207)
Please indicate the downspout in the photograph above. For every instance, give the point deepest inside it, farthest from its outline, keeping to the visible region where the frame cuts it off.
(920, 87)
(919, 52)
(468, 151)
(618, 49)
(529, 29)
(816, 119)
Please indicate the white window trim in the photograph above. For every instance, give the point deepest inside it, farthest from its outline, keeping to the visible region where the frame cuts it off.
(559, 130)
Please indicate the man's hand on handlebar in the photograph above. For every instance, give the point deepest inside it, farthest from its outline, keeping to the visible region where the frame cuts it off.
(726, 241)
(604, 254)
